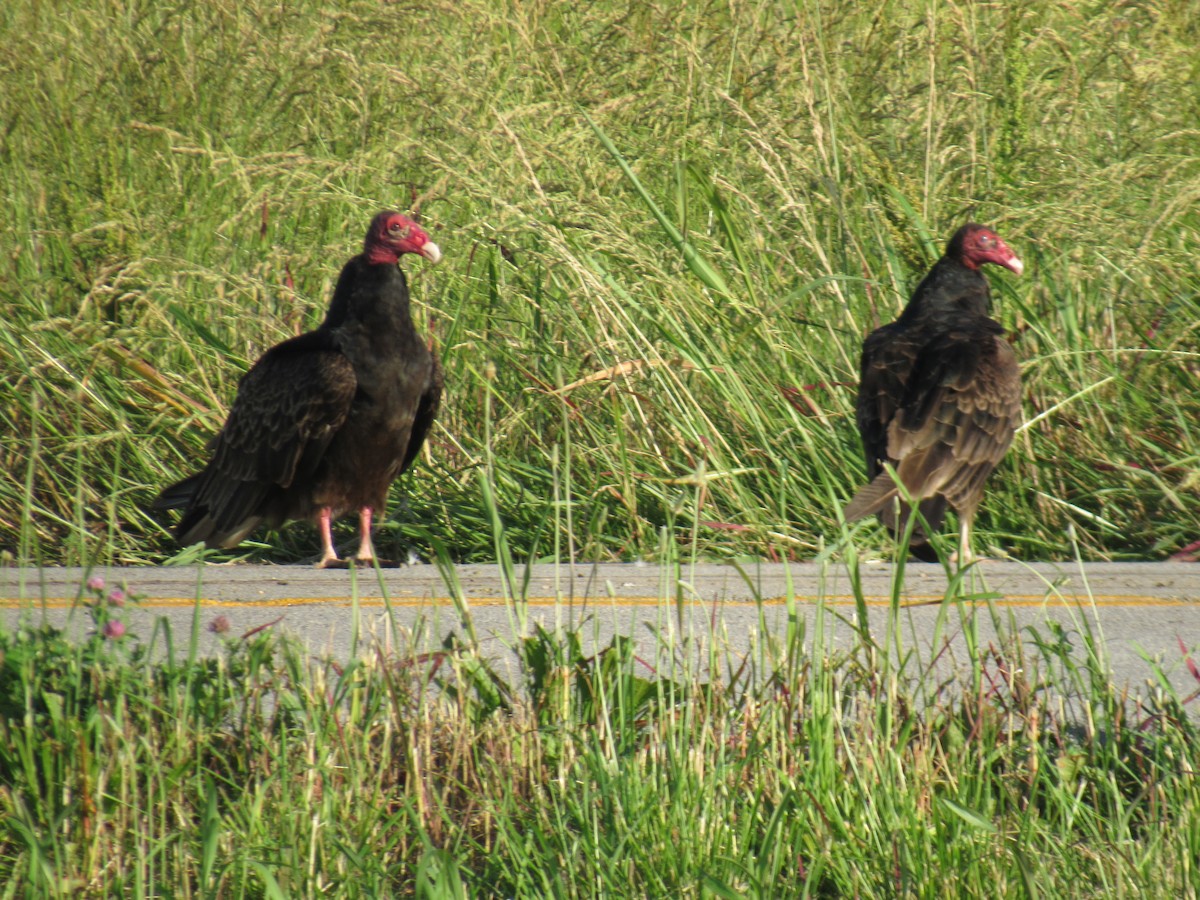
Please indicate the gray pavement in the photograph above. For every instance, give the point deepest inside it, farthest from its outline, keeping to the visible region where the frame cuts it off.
(1138, 612)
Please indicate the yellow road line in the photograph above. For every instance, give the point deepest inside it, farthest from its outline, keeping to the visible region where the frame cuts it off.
(1017, 600)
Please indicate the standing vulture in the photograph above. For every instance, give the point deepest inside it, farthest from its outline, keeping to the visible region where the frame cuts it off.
(324, 423)
(940, 396)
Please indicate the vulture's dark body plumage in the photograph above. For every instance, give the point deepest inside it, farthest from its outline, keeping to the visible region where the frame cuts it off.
(324, 423)
(940, 395)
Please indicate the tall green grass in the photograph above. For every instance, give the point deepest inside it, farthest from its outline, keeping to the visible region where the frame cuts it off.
(667, 229)
(801, 767)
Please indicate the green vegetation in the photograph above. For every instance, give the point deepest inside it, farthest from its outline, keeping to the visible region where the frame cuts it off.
(667, 228)
(690, 771)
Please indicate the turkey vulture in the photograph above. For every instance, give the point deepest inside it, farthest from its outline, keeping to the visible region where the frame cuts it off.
(324, 423)
(940, 395)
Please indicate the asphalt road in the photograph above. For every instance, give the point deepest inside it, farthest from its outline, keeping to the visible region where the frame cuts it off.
(1144, 616)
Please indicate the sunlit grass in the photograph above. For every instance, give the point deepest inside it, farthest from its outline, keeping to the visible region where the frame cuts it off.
(667, 229)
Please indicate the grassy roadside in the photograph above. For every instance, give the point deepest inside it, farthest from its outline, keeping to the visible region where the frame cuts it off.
(657, 337)
(667, 228)
(798, 769)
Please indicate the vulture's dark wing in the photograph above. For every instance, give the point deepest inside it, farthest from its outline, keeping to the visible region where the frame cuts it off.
(427, 410)
(888, 358)
(951, 422)
(288, 407)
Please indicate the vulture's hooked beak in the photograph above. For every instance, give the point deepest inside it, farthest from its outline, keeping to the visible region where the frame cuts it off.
(432, 252)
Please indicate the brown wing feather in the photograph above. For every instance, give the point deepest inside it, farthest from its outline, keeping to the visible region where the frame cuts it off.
(427, 410)
(288, 407)
(949, 425)
(888, 358)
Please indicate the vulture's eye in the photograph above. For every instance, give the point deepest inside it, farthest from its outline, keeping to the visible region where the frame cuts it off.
(398, 230)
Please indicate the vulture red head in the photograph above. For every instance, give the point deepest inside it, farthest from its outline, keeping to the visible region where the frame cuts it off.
(391, 235)
(973, 245)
